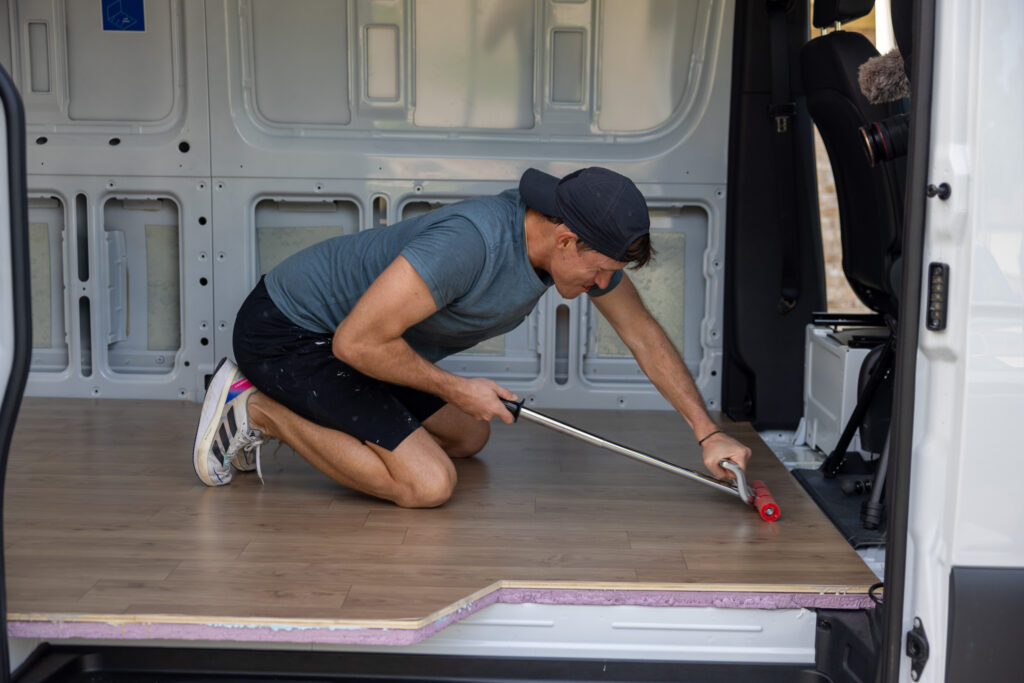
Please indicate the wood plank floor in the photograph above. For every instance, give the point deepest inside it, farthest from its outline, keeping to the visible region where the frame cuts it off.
(104, 515)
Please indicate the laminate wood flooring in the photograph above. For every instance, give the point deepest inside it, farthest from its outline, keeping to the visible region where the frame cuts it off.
(104, 515)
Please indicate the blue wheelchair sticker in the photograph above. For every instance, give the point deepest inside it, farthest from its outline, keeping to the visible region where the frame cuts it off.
(123, 15)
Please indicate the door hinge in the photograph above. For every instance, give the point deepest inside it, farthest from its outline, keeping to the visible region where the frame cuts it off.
(917, 649)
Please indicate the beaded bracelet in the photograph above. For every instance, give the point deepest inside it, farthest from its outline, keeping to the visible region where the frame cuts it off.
(717, 431)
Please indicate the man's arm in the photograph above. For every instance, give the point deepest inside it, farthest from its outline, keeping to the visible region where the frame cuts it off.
(664, 366)
(370, 340)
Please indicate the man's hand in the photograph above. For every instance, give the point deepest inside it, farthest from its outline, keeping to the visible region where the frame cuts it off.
(720, 447)
(480, 398)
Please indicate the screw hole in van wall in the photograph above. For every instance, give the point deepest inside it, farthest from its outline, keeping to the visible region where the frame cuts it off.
(202, 220)
(203, 281)
(41, 140)
(114, 142)
(184, 147)
(204, 341)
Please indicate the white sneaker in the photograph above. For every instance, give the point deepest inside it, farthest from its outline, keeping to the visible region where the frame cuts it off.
(245, 458)
(224, 432)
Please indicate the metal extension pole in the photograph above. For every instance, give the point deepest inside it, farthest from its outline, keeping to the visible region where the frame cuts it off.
(743, 493)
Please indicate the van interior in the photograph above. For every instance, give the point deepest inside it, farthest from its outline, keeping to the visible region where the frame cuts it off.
(177, 150)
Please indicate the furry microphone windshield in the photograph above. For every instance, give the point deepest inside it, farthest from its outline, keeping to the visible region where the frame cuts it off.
(883, 78)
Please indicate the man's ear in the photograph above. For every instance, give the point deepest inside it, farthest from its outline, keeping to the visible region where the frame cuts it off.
(565, 237)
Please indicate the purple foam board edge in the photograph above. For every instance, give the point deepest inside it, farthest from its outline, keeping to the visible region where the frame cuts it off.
(726, 599)
(355, 635)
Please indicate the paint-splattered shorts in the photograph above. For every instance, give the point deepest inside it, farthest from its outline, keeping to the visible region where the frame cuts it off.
(297, 368)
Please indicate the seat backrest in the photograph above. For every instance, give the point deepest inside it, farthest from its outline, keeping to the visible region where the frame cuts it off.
(870, 198)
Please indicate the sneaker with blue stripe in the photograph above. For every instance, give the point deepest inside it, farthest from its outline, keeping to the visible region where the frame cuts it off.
(224, 433)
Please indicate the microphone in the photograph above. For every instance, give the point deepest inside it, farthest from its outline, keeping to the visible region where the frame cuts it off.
(883, 78)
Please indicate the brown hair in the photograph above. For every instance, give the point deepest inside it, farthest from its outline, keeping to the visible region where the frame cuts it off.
(640, 253)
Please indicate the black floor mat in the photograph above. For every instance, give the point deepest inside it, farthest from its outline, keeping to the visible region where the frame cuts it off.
(843, 510)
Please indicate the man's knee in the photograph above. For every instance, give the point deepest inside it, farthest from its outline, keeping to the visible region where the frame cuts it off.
(428, 476)
(427, 491)
(471, 441)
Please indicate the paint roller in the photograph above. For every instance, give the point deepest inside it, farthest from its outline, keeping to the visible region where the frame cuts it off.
(755, 494)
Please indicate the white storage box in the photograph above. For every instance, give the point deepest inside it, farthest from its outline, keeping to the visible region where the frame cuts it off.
(831, 369)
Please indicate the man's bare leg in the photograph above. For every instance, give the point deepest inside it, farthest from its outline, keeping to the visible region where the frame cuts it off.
(417, 473)
(460, 435)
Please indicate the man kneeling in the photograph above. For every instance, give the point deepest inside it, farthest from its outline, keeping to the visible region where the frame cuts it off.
(336, 347)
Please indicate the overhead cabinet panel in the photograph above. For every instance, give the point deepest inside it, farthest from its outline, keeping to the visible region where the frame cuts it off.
(650, 50)
(474, 64)
(120, 75)
(299, 61)
(381, 57)
(465, 79)
(111, 88)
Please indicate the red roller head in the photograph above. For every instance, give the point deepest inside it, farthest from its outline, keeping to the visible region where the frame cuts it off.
(763, 501)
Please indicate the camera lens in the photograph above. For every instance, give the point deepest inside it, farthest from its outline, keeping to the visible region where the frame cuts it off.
(887, 139)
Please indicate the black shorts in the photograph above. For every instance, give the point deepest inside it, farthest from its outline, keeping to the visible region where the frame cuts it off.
(297, 368)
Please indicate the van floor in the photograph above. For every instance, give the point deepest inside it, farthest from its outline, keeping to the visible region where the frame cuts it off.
(105, 523)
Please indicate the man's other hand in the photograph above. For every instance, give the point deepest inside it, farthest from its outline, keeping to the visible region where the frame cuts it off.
(480, 398)
(720, 447)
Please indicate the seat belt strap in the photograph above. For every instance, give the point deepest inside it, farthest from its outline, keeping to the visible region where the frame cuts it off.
(782, 111)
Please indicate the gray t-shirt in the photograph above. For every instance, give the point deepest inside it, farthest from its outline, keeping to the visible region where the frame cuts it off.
(471, 255)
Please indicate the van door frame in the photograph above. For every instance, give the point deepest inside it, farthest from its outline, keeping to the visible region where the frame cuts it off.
(902, 436)
(15, 306)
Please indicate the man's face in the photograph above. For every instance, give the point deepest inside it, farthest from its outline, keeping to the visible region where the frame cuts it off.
(575, 271)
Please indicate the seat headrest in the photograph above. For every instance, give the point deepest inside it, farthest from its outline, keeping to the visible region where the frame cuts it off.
(828, 12)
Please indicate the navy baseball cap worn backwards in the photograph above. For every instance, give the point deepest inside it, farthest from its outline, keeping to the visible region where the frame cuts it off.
(603, 208)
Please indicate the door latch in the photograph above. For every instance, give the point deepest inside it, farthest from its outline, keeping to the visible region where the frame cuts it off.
(917, 649)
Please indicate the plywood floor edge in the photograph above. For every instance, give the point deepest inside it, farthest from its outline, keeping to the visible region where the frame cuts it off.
(411, 631)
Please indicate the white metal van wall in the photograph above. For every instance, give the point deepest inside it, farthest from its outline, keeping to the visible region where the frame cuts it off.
(120, 203)
(178, 149)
